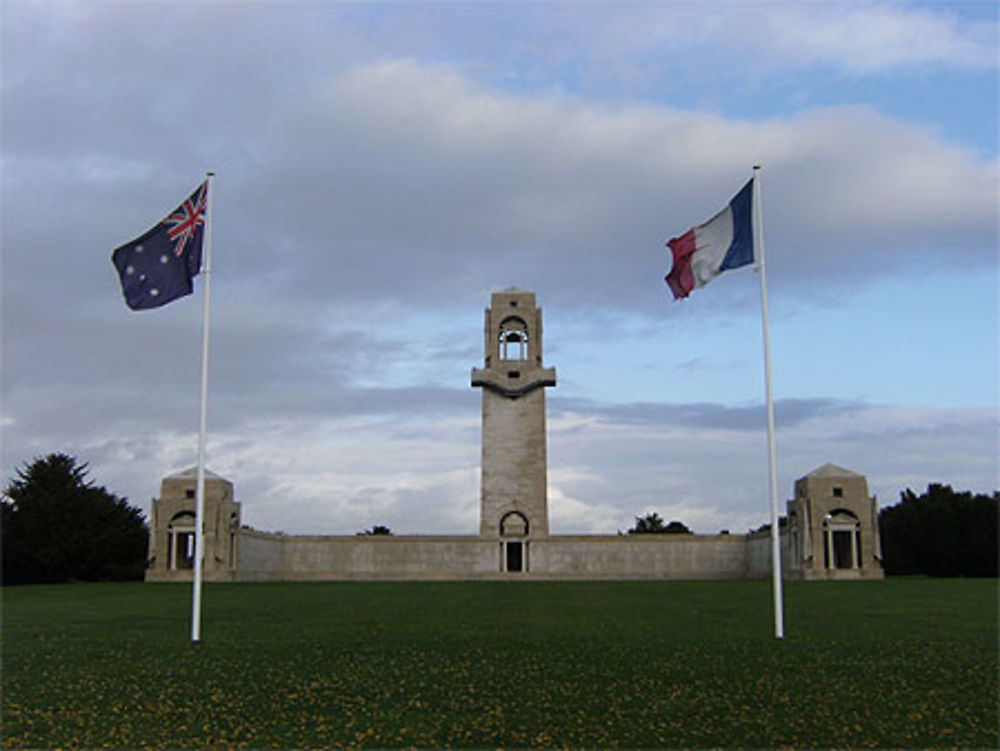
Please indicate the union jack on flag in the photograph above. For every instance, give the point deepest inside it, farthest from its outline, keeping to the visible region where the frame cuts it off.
(189, 216)
(160, 266)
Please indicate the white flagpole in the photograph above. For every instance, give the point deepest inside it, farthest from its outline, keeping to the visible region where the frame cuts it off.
(779, 618)
(199, 523)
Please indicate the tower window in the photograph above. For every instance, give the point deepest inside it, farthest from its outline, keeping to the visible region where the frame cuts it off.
(514, 340)
(838, 492)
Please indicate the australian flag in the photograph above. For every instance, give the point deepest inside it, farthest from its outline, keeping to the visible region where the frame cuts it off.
(159, 267)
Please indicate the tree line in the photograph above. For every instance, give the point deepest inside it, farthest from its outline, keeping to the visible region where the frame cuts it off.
(59, 526)
(941, 532)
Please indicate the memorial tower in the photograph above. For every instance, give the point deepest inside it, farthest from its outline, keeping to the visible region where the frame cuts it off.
(513, 496)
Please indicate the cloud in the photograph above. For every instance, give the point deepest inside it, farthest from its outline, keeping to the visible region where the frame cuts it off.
(712, 473)
(788, 412)
(353, 257)
(377, 178)
(875, 37)
(399, 180)
(863, 38)
(419, 180)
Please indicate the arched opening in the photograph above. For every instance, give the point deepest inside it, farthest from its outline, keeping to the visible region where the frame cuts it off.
(180, 541)
(513, 340)
(841, 540)
(514, 524)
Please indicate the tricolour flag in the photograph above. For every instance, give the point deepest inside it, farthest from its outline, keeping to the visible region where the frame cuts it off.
(723, 242)
(159, 266)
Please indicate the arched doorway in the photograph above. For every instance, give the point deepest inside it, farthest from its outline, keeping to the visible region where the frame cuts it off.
(841, 540)
(514, 530)
(180, 541)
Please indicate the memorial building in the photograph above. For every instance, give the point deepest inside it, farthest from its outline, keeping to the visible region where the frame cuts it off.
(831, 530)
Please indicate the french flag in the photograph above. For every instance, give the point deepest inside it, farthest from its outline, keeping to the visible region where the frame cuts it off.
(723, 242)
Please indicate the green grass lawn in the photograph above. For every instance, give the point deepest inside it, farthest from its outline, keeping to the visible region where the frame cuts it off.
(899, 663)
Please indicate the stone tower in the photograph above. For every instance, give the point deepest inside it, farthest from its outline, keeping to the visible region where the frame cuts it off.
(513, 498)
(172, 529)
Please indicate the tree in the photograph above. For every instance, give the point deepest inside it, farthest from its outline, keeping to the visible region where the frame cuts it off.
(677, 528)
(378, 529)
(58, 526)
(651, 523)
(940, 533)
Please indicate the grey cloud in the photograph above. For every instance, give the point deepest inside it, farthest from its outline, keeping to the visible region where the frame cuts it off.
(788, 413)
(396, 180)
(456, 183)
(366, 203)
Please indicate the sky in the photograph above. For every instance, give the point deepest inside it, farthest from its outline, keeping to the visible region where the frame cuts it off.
(381, 168)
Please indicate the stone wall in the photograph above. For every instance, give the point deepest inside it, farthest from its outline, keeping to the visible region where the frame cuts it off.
(260, 555)
(266, 556)
(662, 556)
(239, 553)
(759, 556)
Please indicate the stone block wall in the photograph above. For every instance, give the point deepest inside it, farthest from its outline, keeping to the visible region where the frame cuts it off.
(758, 546)
(265, 556)
(663, 556)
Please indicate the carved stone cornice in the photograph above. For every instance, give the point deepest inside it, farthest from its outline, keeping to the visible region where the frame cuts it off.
(513, 382)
